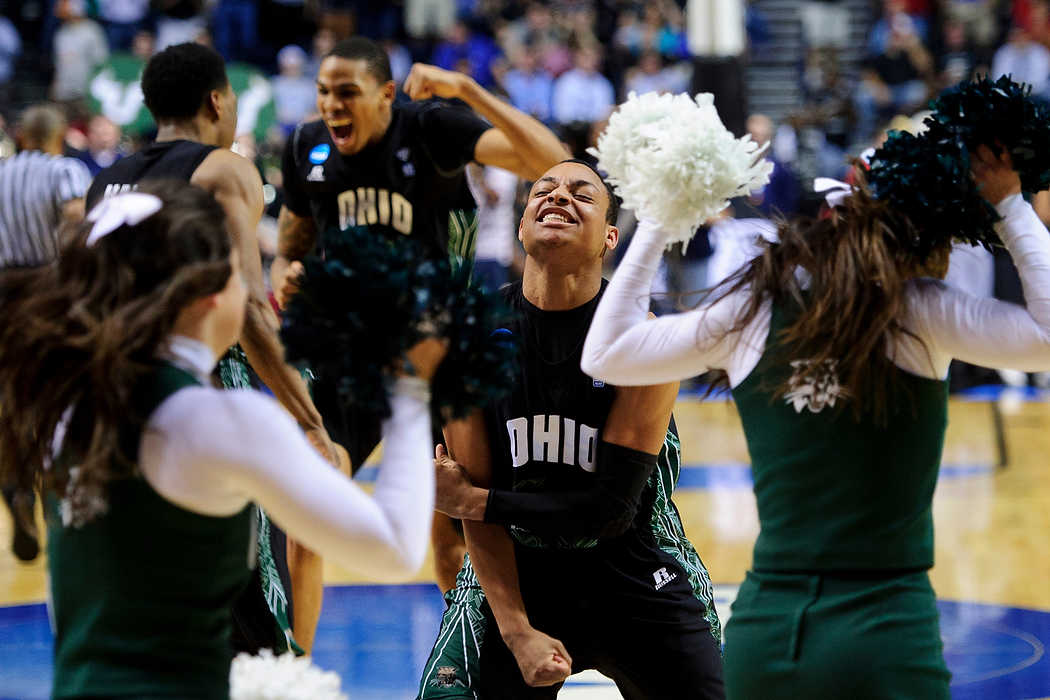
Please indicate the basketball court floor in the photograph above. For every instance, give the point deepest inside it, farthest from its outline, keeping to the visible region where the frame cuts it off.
(992, 515)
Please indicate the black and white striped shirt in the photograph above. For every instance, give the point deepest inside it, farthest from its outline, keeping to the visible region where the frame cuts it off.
(34, 186)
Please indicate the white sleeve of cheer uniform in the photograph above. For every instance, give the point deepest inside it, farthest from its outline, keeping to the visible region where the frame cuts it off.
(623, 347)
(989, 332)
(213, 451)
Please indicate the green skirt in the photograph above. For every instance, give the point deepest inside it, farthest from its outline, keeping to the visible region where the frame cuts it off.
(797, 636)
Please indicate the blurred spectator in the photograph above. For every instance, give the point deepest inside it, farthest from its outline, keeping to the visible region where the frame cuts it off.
(536, 28)
(781, 195)
(80, 47)
(494, 190)
(977, 18)
(142, 45)
(1033, 16)
(628, 35)
(583, 94)
(461, 44)
(294, 94)
(895, 17)
(1025, 61)
(102, 148)
(651, 75)
(428, 18)
(235, 25)
(323, 42)
(10, 50)
(824, 125)
(530, 88)
(122, 20)
(400, 60)
(179, 21)
(663, 30)
(893, 81)
(956, 60)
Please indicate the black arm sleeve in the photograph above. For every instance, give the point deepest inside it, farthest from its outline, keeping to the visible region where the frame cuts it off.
(607, 509)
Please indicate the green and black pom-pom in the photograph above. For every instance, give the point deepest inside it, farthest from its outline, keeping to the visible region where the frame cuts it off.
(369, 299)
(999, 112)
(928, 179)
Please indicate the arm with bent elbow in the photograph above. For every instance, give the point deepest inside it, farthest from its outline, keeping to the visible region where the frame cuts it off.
(634, 434)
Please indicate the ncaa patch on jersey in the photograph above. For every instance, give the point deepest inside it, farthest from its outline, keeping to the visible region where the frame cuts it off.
(320, 153)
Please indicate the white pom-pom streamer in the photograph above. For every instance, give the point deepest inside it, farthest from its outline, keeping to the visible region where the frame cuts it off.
(671, 159)
(284, 677)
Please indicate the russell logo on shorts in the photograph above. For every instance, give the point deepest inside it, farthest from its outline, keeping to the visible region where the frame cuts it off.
(662, 577)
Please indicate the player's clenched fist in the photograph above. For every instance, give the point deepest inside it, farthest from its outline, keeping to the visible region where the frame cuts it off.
(542, 659)
(425, 81)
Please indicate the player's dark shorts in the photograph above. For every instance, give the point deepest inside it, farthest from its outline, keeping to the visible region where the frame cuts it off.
(629, 613)
(820, 636)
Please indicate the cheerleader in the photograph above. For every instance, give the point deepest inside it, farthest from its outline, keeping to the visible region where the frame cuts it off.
(149, 471)
(836, 344)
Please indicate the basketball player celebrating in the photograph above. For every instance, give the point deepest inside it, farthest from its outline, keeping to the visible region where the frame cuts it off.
(398, 168)
(593, 569)
(840, 381)
(186, 90)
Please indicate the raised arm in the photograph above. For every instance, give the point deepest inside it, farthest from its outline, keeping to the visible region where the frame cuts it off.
(989, 332)
(517, 142)
(626, 349)
(189, 457)
(633, 436)
(238, 188)
(543, 660)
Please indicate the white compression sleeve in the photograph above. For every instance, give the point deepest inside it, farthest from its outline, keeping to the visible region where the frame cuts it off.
(985, 331)
(625, 348)
(212, 451)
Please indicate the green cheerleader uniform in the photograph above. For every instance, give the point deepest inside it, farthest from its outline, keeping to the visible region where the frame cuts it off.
(141, 595)
(838, 604)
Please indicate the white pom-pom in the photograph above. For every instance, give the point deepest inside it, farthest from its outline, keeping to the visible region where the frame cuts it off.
(284, 677)
(671, 159)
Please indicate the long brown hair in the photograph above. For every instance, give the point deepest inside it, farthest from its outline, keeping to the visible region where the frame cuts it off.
(79, 334)
(846, 274)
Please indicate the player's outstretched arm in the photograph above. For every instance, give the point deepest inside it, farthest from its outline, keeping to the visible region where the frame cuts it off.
(236, 185)
(542, 659)
(518, 143)
(634, 434)
(296, 236)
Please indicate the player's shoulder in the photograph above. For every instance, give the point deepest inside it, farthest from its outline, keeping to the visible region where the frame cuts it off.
(311, 144)
(222, 168)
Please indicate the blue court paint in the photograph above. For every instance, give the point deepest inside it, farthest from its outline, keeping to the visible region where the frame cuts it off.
(378, 638)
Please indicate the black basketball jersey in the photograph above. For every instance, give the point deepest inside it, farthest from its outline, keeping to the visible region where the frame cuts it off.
(412, 182)
(169, 160)
(544, 435)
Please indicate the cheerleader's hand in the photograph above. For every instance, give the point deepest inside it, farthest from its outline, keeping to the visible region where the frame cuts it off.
(994, 174)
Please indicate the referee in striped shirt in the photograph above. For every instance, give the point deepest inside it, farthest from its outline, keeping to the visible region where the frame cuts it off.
(39, 191)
